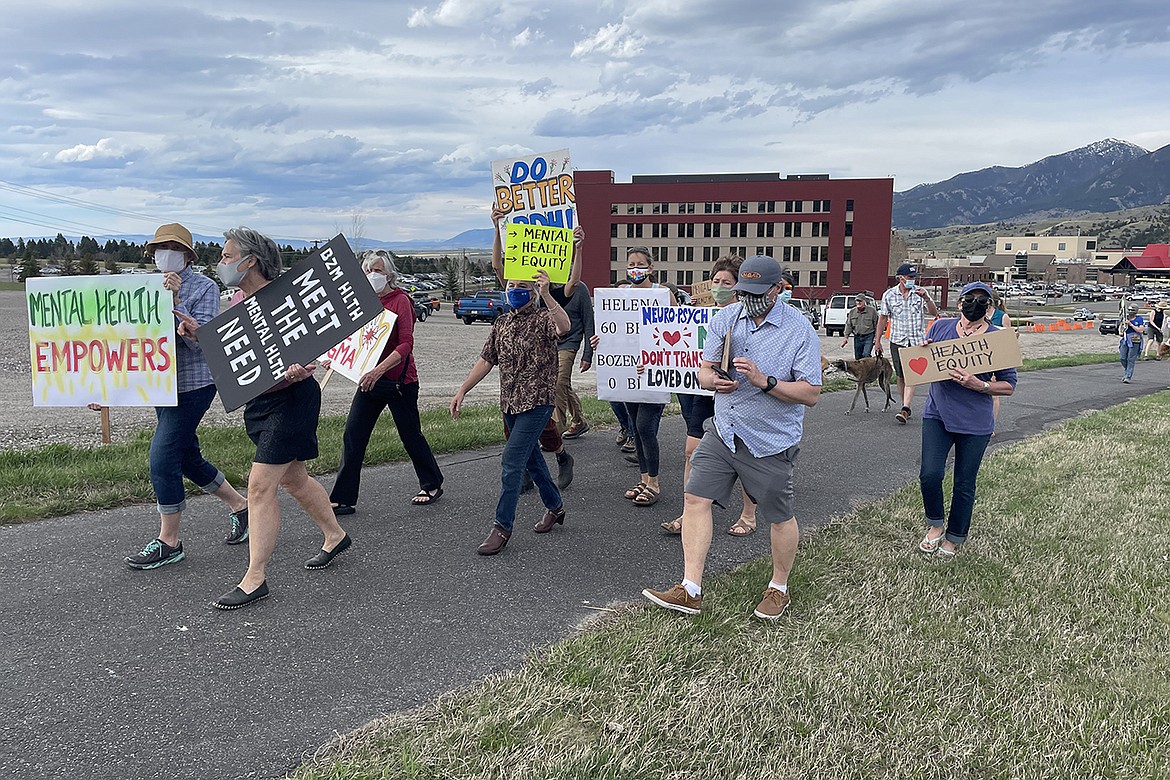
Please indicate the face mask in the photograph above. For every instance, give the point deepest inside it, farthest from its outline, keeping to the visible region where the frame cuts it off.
(755, 305)
(377, 281)
(974, 310)
(169, 260)
(722, 295)
(518, 297)
(637, 275)
(231, 275)
(785, 296)
(908, 284)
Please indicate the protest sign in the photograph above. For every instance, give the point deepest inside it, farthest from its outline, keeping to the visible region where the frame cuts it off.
(531, 248)
(701, 294)
(672, 340)
(536, 190)
(108, 340)
(972, 354)
(295, 318)
(617, 317)
(362, 350)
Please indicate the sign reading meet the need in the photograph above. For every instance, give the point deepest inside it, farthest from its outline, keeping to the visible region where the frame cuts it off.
(532, 248)
(102, 339)
(362, 349)
(974, 354)
(536, 190)
(617, 317)
(295, 318)
(672, 340)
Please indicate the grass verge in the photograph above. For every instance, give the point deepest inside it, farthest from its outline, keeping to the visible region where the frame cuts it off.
(1042, 651)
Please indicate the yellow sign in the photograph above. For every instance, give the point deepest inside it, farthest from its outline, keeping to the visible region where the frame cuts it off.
(972, 354)
(532, 248)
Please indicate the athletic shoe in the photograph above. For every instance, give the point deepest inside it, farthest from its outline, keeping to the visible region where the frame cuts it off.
(773, 605)
(239, 530)
(629, 446)
(621, 437)
(576, 430)
(676, 599)
(156, 553)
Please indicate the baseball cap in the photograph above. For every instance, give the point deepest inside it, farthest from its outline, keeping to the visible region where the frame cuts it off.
(971, 287)
(758, 274)
(907, 269)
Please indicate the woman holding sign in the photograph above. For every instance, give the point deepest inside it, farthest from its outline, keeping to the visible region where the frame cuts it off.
(959, 415)
(282, 423)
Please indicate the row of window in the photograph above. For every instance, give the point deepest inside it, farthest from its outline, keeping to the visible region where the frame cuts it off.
(800, 278)
(714, 229)
(1060, 246)
(735, 207)
(686, 254)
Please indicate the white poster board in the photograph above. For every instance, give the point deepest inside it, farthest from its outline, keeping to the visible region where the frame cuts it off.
(617, 321)
(360, 352)
(672, 339)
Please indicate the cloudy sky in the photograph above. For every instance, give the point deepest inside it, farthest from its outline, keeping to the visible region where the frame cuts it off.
(293, 117)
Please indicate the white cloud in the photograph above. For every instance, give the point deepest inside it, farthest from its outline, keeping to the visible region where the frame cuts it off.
(105, 148)
(612, 40)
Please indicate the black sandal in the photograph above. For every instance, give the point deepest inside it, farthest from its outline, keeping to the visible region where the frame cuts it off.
(423, 497)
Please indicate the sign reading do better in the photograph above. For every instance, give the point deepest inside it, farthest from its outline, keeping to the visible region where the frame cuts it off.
(973, 354)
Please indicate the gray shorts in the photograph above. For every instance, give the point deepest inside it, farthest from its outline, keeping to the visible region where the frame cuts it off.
(894, 359)
(767, 481)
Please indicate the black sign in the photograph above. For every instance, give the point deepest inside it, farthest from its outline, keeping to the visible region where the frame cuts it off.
(295, 318)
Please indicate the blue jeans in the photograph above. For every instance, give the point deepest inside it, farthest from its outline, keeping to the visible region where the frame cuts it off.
(522, 453)
(937, 442)
(862, 346)
(623, 417)
(174, 451)
(1129, 356)
(645, 419)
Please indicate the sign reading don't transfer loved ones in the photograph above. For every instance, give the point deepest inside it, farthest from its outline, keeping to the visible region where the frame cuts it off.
(295, 318)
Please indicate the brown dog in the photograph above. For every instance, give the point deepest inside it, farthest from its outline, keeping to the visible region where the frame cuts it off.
(866, 370)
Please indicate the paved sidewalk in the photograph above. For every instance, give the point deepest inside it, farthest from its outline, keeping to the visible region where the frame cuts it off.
(111, 673)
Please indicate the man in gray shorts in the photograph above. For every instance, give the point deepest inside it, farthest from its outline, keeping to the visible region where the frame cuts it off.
(904, 307)
(754, 436)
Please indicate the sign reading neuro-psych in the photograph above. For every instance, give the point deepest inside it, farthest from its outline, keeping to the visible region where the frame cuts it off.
(972, 354)
(108, 340)
(532, 248)
(672, 340)
(361, 351)
(617, 317)
(536, 190)
(295, 318)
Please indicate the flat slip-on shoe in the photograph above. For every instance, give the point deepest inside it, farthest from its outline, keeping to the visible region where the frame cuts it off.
(237, 598)
(325, 557)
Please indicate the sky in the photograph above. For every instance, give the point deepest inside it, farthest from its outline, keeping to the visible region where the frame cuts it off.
(303, 119)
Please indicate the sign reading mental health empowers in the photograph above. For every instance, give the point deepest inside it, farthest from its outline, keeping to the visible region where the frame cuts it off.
(617, 317)
(973, 354)
(532, 248)
(102, 339)
(361, 351)
(536, 190)
(672, 340)
(295, 318)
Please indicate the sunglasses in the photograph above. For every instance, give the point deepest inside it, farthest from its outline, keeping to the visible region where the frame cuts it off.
(974, 299)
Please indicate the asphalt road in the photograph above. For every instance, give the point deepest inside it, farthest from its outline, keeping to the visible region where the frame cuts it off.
(111, 673)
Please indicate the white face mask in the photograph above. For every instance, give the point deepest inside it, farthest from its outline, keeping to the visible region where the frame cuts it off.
(377, 281)
(169, 260)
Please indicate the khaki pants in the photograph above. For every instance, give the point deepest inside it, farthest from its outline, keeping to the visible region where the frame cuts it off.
(568, 405)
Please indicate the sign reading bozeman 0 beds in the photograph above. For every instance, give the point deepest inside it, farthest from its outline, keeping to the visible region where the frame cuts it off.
(295, 318)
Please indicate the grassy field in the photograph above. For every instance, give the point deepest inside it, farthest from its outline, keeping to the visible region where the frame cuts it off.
(1041, 651)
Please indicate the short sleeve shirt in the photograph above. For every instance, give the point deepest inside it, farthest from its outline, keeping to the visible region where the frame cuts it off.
(523, 345)
(907, 316)
(960, 409)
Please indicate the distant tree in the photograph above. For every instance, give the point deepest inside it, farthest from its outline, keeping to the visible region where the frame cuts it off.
(87, 245)
(111, 265)
(68, 265)
(29, 268)
(7, 248)
(88, 265)
(20, 247)
(451, 282)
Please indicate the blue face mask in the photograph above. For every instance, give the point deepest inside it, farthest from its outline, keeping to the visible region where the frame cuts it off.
(785, 296)
(518, 297)
(909, 283)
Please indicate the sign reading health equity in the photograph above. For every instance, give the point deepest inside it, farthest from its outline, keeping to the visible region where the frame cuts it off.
(295, 318)
(672, 340)
(973, 354)
(532, 248)
(536, 190)
(101, 339)
(362, 350)
(617, 317)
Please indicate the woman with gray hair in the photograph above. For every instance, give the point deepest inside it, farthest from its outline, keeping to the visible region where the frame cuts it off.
(393, 382)
(282, 423)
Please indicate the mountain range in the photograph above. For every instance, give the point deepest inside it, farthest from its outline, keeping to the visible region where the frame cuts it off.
(1105, 176)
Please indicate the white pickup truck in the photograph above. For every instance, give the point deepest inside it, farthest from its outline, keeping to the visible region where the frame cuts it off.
(836, 311)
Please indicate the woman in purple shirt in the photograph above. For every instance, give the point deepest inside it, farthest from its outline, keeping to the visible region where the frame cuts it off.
(959, 414)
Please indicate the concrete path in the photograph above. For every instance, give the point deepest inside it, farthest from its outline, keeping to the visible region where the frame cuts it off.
(111, 673)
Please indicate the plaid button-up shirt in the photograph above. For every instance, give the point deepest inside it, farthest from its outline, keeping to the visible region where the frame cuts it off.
(907, 316)
(198, 298)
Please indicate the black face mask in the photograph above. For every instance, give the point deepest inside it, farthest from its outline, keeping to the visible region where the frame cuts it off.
(974, 310)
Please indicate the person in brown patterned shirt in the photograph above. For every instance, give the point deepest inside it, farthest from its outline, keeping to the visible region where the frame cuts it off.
(523, 343)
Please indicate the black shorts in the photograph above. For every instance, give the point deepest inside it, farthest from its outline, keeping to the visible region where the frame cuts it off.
(283, 425)
(696, 409)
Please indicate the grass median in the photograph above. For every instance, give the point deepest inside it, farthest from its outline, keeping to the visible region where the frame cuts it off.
(61, 479)
(1041, 651)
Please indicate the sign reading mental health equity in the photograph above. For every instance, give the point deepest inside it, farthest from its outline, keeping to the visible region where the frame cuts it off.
(362, 350)
(617, 317)
(672, 340)
(102, 339)
(295, 318)
(532, 248)
(973, 354)
(536, 190)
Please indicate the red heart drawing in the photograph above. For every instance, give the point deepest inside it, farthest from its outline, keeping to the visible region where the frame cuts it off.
(918, 366)
(671, 337)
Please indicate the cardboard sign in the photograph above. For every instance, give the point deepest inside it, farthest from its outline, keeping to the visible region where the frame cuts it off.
(672, 340)
(701, 294)
(362, 350)
(101, 339)
(974, 354)
(296, 317)
(536, 190)
(617, 319)
(532, 248)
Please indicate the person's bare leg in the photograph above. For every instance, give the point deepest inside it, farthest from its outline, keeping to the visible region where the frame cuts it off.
(785, 537)
(230, 496)
(263, 520)
(748, 515)
(168, 528)
(690, 446)
(907, 392)
(311, 495)
(696, 536)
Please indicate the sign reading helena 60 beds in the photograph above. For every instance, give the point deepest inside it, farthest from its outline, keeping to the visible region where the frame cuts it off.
(101, 339)
(295, 318)
(617, 317)
(973, 355)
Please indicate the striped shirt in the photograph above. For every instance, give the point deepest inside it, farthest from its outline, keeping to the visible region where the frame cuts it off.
(907, 316)
(198, 298)
(785, 346)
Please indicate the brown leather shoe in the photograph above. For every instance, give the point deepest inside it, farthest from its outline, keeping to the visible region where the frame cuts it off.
(495, 541)
(550, 519)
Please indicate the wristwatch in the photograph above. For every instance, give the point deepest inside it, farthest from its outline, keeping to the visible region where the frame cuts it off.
(986, 386)
(771, 384)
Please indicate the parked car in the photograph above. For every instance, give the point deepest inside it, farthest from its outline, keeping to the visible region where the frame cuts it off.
(483, 305)
(1108, 325)
(427, 298)
(836, 312)
(1084, 314)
